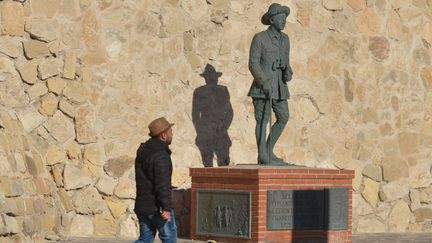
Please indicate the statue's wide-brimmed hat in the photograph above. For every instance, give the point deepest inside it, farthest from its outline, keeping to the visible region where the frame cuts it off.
(210, 71)
(273, 10)
(159, 126)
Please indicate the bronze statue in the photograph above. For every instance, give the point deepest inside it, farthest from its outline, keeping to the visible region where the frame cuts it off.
(270, 67)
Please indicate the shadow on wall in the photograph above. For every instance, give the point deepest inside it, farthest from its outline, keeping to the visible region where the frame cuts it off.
(212, 115)
(181, 200)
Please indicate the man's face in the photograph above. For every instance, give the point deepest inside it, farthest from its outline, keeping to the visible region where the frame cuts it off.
(278, 21)
(169, 136)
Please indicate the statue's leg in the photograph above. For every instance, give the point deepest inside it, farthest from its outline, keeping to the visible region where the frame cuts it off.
(262, 115)
(280, 108)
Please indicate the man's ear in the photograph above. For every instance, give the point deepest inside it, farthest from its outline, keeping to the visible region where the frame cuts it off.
(162, 136)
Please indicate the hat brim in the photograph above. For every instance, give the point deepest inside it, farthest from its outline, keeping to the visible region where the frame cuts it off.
(207, 74)
(265, 19)
(161, 130)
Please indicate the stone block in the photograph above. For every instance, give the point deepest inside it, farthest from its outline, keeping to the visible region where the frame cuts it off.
(69, 67)
(60, 127)
(34, 163)
(223, 4)
(85, 121)
(426, 196)
(93, 158)
(125, 189)
(420, 175)
(37, 91)
(56, 85)
(399, 217)
(31, 225)
(423, 214)
(106, 185)
(76, 92)
(81, 226)
(395, 190)
(44, 8)
(35, 48)
(9, 47)
(333, 5)
(28, 72)
(368, 21)
(105, 225)
(426, 76)
(394, 168)
(370, 224)
(28, 187)
(357, 5)
(88, 201)
(128, 227)
(57, 174)
(73, 151)
(70, 9)
(117, 167)
(55, 155)
(12, 18)
(10, 225)
(373, 171)
(380, 48)
(74, 178)
(42, 29)
(7, 69)
(49, 67)
(42, 186)
(66, 200)
(116, 207)
(67, 108)
(48, 105)
(408, 143)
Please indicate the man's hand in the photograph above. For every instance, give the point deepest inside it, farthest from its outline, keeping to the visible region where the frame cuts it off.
(166, 215)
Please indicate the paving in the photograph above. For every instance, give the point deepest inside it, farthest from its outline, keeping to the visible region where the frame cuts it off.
(357, 238)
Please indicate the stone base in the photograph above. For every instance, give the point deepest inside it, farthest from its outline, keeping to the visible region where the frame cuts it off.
(251, 203)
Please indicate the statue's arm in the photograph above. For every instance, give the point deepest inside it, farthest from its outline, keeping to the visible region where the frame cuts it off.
(288, 56)
(254, 61)
(288, 72)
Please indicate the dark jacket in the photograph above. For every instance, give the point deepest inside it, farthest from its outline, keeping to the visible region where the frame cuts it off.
(265, 50)
(153, 170)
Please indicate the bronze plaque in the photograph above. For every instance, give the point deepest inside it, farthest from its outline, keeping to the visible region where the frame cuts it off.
(224, 213)
(295, 209)
(308, 209)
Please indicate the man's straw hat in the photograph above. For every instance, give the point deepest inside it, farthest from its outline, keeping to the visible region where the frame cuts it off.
(159, 126)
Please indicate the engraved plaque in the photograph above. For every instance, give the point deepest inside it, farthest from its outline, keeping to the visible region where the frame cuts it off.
(336, 208)
(224, 213)
(300, 209)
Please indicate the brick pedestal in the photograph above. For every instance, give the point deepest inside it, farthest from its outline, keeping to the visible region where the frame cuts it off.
(258, 181)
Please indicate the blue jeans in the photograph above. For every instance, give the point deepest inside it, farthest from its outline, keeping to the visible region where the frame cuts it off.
(150, 223)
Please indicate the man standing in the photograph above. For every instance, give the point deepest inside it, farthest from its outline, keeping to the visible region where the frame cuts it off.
(269, 65)
(153, 170)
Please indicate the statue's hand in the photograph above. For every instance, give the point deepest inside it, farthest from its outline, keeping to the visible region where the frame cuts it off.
(266, 87)
(287, 76)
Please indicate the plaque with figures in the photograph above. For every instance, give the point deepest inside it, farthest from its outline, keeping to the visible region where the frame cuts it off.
(224, 213)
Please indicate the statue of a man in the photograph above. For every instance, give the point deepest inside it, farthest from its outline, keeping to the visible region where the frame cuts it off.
(270, 67)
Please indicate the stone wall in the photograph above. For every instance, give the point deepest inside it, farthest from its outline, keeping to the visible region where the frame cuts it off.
(81, 79)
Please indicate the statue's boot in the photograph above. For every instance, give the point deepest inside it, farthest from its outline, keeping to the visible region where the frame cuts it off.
(263, 158)
(276, 159)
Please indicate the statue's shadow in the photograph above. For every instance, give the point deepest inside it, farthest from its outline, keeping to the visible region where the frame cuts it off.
(212, 115)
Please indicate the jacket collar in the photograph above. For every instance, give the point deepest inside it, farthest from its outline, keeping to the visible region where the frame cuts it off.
(160, 144)
(275, 36)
